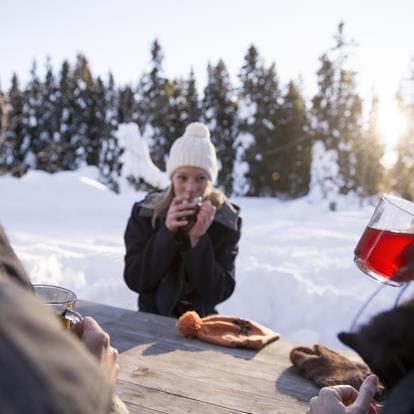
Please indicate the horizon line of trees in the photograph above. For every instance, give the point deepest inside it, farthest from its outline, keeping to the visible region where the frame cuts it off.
(270, 140)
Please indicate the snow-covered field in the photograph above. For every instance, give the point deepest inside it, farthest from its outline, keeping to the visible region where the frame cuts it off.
(295, 270)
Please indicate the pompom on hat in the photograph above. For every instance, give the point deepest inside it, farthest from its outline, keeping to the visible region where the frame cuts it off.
(194, 149)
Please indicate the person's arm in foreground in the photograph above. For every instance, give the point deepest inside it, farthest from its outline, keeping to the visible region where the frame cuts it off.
(344, 399)
(10, 265)
(44, 360)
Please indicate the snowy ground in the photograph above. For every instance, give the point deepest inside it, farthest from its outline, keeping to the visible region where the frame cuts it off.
(295, 270)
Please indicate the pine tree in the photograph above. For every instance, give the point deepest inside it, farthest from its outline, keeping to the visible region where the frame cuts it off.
(3, 115)
(154, 93)
(295, 140)
(48, 124)
(183, 107)
(220, 114)
(14, 146)
(37, 141)
(404, 167)
(337, 111)
(68, 146)
(127, 106)
(109, 163)
(3, 126)
(192, 109)
(176, 116)
(86, 137)
(369, 154)
(97, 129)
(259, 125)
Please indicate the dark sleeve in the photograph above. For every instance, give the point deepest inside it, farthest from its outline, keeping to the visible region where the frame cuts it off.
(10, 265)
(44, 366)
(39, 360)
(400, 400)
(149, 252)
(211, 269)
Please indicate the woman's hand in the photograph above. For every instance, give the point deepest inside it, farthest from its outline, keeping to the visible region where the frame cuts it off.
(344, 399)
(98, 343)
(204, 219)
(176, 212)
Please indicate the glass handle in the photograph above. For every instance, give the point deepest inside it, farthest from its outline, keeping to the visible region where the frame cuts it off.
(73, 317)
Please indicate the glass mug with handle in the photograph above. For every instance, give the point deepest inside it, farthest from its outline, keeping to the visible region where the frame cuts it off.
(191, 219)
(62, 301)
(386, 248)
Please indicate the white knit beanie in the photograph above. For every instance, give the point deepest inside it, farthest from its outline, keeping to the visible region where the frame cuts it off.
(194, 149)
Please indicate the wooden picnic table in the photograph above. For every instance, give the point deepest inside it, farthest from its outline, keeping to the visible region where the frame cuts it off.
(163, 372)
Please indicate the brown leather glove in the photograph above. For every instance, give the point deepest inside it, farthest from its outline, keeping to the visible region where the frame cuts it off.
(326, 367)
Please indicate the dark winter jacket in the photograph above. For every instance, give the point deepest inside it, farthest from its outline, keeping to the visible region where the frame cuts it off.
(169, 275)
(401, 400)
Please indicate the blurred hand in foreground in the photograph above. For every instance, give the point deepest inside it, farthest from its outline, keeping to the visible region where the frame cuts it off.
(98, 343)
(344, 399)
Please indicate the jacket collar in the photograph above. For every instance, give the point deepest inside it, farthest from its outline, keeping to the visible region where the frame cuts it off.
(228, 215)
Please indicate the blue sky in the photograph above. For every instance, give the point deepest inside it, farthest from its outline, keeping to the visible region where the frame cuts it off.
(116, 36)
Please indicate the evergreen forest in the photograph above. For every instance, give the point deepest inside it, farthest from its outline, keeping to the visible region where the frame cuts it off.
(271, 141)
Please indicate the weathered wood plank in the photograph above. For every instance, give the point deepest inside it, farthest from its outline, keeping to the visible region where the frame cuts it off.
(138, 398)
(220, 384)
(217, 394)
(161, 371)
(138, 327)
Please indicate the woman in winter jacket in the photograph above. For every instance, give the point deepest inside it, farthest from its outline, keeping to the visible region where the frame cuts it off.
(181, 244)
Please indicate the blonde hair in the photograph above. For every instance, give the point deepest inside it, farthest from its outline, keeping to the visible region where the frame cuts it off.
(160, 202)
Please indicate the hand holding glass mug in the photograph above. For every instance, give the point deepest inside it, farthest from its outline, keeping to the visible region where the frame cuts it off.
(195, 204)
(182, 213)
(62, 301)
(205, 217)
(97, 341)
(386, 248)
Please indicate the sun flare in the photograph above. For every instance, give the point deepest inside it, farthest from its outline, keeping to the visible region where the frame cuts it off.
(391, 123)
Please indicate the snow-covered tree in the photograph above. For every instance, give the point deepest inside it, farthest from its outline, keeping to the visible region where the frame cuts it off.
(259, 118)
(14, 147)
(369, 153)
(65, 108)
(294, 151)
(325, 184)
(48, 124)
(404, 168)
(127, 106)
(110, 152)
(137, 166)
(220, 114)
(33, 135)
(192, 109)
(153, 104)
(3, 115)
(337, 110)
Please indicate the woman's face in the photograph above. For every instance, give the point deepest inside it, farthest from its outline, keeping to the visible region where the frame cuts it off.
(191, 182)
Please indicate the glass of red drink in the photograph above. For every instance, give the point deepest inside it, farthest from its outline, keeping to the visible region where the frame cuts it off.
(386, 248)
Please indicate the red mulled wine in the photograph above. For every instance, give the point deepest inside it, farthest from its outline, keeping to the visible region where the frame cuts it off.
(387, 254)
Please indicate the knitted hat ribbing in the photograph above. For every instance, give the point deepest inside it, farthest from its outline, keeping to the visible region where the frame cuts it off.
(194, 149)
